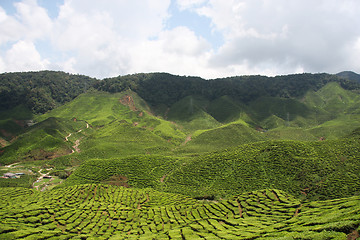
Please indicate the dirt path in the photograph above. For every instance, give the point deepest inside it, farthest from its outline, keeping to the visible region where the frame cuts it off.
(163, 178)
(187, 139)
(76, 146)
(42, 175)
(9, 166)
(67, 137)
(77, 142)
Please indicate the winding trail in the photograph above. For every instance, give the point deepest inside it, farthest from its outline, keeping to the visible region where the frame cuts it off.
(9, 166)
(77, 142)
(42, 175)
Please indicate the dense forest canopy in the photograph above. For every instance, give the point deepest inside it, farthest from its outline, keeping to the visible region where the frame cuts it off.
(164, 88)
(40, 91)
(44, 90)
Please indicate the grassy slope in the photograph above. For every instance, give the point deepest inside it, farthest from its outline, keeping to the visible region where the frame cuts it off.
(41, 141)
(97, 108)
(228, 135)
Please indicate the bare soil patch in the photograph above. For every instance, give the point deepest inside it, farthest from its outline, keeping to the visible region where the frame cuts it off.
(127, 100)
(118, 180)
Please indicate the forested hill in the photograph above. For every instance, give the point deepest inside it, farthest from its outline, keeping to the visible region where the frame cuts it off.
(349, 75)
(41, 91)
(45, 90)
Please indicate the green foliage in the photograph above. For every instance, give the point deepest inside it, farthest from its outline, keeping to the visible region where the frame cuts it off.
(139, 171)
(318, 169)
(25, 181)
(40, 91)
(111, 212)
(41, 141)
(226, 136)
(212, 140)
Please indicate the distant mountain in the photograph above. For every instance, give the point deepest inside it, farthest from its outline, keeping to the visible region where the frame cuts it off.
(349, 75)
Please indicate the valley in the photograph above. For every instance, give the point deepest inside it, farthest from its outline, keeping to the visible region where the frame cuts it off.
(159, 156)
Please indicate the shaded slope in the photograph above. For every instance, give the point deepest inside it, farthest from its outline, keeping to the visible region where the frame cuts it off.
(191, 113)
(225, 109)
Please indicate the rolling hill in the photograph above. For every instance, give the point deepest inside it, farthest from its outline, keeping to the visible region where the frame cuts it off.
(159, 156)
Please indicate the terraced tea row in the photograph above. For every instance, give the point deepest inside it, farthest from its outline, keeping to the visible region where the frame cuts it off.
(111, 212)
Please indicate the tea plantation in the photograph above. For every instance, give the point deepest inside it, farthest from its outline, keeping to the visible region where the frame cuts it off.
(112, 212)
(158, 156)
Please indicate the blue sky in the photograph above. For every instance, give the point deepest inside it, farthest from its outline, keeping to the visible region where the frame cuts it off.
(206, 38)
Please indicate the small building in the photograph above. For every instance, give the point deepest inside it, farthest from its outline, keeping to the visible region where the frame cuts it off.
(19, 174)
(10, 175)
(47, 176)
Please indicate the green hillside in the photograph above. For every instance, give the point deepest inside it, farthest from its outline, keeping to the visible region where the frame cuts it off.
(45, 140)
(159, 156)
(325, 169)
(229, 135)
(190, 112)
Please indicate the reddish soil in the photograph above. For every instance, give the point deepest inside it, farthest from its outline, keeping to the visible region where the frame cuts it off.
(188, 139)
(76, 146)
(21, 123)
(128, 101)
(297, 210)
(3, 143)
(240, 208)
(276, 196)
(163, 178)
(305, 191)
(354, 235)
(118, 180)
(5, 133)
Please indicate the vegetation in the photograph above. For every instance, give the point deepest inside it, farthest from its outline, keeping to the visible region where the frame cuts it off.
(112, 212)
(40, 91)
(158, 156)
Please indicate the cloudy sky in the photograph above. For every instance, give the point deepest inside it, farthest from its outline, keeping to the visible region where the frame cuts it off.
(207, 38)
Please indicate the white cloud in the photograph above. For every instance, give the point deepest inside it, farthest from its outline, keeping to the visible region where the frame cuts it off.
(284, 35)
(100, 35)
(10, 28)
(179, 51)
(34, 19)
(188, 4)
(112, 37)
(23, 56)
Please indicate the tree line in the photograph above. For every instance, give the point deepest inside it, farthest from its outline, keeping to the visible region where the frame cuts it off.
(45, 90)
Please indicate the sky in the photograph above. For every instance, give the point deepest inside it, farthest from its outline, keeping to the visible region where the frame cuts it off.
(206, 38)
